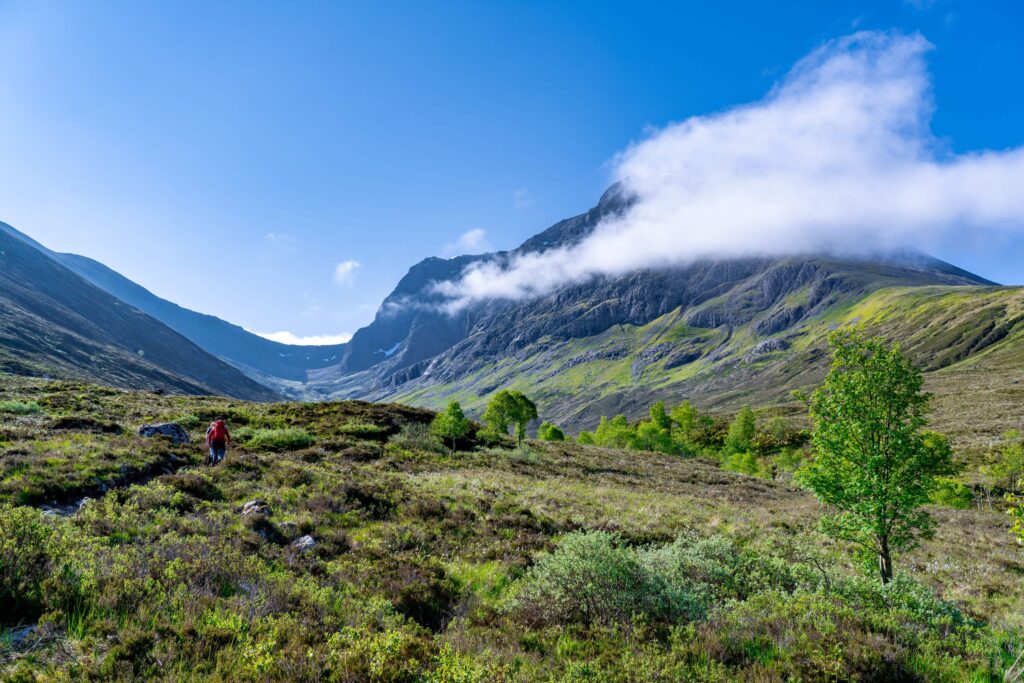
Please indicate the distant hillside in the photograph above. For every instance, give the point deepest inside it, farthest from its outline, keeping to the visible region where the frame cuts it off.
(253, 354)
(54, 323)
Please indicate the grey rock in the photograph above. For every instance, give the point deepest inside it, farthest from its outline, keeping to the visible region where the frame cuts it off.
(256, 507)
(766, 347)
(175, 432)
(17, 636)
(305, 543)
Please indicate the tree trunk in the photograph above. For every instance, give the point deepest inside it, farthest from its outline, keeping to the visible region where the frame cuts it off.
(885, 561)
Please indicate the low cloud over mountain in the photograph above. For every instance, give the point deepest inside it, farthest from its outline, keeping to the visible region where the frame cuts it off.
(838, 157)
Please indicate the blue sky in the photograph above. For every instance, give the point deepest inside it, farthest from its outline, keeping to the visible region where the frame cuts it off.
(283, 165)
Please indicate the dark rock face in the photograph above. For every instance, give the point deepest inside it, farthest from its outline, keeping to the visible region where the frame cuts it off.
(175, 432)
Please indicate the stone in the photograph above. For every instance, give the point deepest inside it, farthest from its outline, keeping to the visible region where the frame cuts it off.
(175, 432)
(18, 636)
(256, 507)
(305, 543)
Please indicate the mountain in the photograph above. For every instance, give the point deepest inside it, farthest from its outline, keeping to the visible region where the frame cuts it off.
(723, 332)
(55, 323)
(265, 360)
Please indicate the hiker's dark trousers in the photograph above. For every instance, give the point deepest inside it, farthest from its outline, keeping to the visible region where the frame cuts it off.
(217, 454)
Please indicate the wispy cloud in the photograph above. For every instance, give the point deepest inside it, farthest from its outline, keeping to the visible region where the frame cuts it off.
(470, 242)
(345, 272)
(837, 157)
(522, 199)
(312, 340)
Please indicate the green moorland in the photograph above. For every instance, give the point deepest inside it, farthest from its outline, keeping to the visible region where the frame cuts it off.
(550, 562)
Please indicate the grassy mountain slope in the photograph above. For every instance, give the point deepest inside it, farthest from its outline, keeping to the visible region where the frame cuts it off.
(421, 559)
(950, 331)
(52, 322)
(254, 355)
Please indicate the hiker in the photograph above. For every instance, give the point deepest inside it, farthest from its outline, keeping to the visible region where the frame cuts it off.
(217, 440)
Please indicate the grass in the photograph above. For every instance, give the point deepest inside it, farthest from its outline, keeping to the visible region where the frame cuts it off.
(423, 560)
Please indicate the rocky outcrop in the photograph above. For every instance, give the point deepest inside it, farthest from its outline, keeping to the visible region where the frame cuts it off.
(175, 432)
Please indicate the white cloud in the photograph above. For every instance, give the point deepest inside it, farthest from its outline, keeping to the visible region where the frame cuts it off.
(837, 157)
(522, 199)
(345, 272)
(312, 340)
(470, 242)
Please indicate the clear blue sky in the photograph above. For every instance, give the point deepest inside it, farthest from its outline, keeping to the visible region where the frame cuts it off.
(229, 156)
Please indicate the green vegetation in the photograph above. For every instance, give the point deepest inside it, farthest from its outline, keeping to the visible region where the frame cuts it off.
(19, 407)
(551, 562)
(510, 408)
(741, 433)
(550, 432)
(278, 440)
(451, 424)
(773, 452)
(874, 462)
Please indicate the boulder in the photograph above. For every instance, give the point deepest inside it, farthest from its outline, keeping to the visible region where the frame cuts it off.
(175, 432)
(256, 507)
(305, 543)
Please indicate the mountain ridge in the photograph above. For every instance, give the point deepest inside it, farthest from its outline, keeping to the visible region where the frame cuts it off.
(52, 321)
(237, 346)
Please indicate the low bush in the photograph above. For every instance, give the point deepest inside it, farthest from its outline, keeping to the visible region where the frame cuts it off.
(417, 437)
(951, 493)
(363, 430)
(593, 577)
(277, 440)
(20, 407)
(189, 421)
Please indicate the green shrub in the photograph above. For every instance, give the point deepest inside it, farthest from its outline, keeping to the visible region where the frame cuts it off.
(744, 463)
(952, 493)
(287, 439)
(417, 437)
(550, 432)
(25, 561)
(19, 407)
(594, 578)
(189, 421)
(37, 570)
(363, 430)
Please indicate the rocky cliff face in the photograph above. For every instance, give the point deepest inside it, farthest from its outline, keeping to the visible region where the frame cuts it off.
(704, 313)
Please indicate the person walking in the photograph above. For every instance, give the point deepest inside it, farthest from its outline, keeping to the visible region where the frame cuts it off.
(217, 440)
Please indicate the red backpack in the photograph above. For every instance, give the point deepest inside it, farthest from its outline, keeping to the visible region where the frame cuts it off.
(218, 433)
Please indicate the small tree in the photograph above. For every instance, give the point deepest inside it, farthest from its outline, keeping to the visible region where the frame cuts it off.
(874, 463)
(649, 436)
(689, 426)
(451, 424)
(741, 432)
(659, 417)
(549, 432)
(510, 407)
(614, 433)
